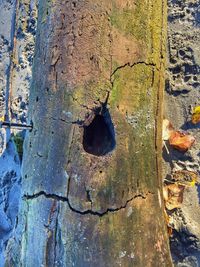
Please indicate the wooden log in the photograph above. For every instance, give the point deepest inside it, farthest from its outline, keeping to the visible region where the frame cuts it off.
(91, 169)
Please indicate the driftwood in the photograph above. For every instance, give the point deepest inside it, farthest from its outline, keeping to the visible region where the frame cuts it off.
(92, 193)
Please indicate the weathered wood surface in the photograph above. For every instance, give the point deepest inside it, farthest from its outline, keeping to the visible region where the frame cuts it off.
(80, 209)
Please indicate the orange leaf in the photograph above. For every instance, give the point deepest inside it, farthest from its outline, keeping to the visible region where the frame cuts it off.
(170, 231)
(181, 141)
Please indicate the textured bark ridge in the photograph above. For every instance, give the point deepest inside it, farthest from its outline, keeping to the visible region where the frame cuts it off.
(91, 181)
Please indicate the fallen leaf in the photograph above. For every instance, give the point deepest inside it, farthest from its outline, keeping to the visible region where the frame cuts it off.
(167, 129)
(174, 196)
(165, 193)
(185, 177)
(166, 216)
(167, 219)
(181, 141)
(2, 119)
(196, 115)
(169, 230)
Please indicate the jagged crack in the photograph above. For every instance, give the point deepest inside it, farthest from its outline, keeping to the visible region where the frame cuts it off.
(86, 212)
(132, 65)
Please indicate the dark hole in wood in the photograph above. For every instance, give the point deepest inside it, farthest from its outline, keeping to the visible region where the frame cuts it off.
(99, 135)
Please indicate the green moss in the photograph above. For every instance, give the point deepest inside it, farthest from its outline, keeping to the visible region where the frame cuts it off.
(144, 24)
(133, 96)
(18, 140)
(92, 90)
(130, 87)
(131, 21)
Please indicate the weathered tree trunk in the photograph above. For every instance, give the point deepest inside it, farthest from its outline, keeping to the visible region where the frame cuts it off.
(91, 181)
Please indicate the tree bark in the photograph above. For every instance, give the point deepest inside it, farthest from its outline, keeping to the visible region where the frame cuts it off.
(92, 193)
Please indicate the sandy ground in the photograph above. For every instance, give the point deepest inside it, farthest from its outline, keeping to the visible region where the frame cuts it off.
(9, 160)
(182, 94)
(17, 37)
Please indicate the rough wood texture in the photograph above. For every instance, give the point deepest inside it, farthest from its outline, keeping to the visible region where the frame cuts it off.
(95, 58)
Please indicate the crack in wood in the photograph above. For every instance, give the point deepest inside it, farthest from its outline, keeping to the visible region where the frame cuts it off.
(132, 65)
(78, 122)
(89, 211)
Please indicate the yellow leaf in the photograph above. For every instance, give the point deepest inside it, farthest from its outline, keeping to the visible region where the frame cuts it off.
(196, 115)
(1, 118)
(192, 183)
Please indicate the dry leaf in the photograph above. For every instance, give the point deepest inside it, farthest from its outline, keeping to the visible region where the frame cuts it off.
(169, 230)
(167, 219)
(196, 115)
(166, 216)
(185, 177)
(174, 196)
(2, 119)
(167, 129)
(181, 141)
(165, 193)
